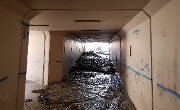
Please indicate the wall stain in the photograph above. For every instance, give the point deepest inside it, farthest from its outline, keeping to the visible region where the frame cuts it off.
(163, 33)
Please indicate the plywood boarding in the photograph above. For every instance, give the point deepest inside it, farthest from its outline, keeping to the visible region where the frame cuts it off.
(10, 34)
(56, 56)
(136, 63)
(166, 57)
(35, 56)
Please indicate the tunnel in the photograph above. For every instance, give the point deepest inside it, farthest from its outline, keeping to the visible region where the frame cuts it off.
(89, 55)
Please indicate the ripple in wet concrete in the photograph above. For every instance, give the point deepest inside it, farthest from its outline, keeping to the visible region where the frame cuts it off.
(86, 90)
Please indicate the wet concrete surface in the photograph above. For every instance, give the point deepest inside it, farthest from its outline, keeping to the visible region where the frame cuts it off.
(87, 87)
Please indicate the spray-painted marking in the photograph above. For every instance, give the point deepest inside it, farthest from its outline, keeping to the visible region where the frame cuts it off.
(58, 61)
(146, 66)
(3, 79)
(129, 68)
(171, 91)
(47, 61)
(22, 73)
(136, 31)
(148, 78)
(142, 69)
(37, 61)
(25, 33)
(25, 24)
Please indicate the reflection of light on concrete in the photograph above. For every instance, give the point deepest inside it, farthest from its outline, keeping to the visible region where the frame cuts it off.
(97, 46)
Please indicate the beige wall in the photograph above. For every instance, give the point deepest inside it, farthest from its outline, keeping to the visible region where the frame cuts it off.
(35, 56)
(46, 63)
(13, 57)
(136, 63)
(63, 54)
(166, 57)
(72, 51)
(155, 40)
(38, 67)
(115, 54)
(56, 56)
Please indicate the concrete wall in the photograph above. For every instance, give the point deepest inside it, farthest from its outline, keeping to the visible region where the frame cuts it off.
(35, 56)
(56, 56)
(136, 63)
(46, 63)
(166, 57)
(38, 58)
(13, 45)
(151, 39)
(64, 51)
(72, 51)
(115, 53)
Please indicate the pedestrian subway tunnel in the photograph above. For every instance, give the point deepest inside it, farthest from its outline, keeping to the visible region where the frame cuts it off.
(144, 47)
(91, 84)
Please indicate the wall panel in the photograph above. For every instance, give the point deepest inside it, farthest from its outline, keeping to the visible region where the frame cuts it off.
(166, 57)
(10, 44)
(35, 56)
(136, 63)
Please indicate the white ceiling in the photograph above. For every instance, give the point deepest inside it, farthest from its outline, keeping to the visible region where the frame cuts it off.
(59, 15)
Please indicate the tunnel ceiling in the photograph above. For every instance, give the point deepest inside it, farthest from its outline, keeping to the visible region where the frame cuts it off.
(91, 20)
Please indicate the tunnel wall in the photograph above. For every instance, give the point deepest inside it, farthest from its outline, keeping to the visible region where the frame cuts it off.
(56, 56)
(13, 45)
(166, 57)
(136, 62)
(115, 54)
(37, 67)
(46, 61)
(35, 56)
(72, 51)
(153, 37)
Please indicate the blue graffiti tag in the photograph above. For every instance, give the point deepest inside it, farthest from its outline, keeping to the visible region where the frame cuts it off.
(171, 91)
(129, 68)
(146, 66)
(26, 32)
(3, 79)
(147, 78)
(22, 73)
(136, 31)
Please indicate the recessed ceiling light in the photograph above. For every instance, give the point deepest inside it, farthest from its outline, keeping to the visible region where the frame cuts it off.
(87, 20)
(90, 30)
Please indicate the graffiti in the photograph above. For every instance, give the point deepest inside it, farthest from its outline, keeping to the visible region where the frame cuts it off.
(25, 32)
(22, 73)
(58, 61)
(146, 66)
(171, 91)
(147, 77)
(129, 68)
(37, 61)
(3, 79)
(136, 31)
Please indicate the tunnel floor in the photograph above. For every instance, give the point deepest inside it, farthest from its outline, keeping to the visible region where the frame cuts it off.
(92, 84)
